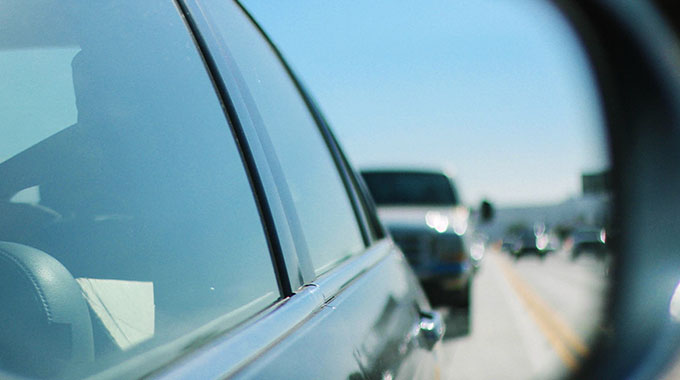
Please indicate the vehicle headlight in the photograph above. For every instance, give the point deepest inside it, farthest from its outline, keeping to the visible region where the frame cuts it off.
(477, 251)
(437, 221)
(542, 242)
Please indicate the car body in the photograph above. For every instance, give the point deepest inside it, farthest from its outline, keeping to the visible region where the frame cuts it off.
(588, 240)
(173, 205)
(421, 210)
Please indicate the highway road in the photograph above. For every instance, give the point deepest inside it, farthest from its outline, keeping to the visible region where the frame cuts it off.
(531, 318)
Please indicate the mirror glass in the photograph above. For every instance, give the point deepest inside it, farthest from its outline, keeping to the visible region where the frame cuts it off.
(499, 96)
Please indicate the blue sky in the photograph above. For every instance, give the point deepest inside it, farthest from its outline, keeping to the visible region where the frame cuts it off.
(497, 89)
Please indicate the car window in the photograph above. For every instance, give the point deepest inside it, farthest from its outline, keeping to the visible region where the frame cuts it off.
(117, 161)
(325, 213)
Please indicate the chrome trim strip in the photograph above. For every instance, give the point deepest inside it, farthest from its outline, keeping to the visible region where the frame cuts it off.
(228, 354)
(337, 279)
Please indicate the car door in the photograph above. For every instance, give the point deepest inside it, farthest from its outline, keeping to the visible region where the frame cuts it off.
(354, 308)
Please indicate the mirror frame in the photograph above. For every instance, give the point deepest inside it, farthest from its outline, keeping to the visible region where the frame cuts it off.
(635, 57)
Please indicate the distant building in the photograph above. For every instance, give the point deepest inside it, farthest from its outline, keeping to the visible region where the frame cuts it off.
(592, 208)
(596, 183)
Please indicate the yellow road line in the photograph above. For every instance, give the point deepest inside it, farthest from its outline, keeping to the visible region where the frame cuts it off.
(567, 344)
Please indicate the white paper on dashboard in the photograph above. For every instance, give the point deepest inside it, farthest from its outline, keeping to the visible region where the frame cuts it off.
(125, 308)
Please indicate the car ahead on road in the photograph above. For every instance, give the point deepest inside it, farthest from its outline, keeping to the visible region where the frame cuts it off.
(422, 211)
(173, 205)
(507, 244)
(528, 242)
(588, 240)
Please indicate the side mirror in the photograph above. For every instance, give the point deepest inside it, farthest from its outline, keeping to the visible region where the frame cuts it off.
(486, 211)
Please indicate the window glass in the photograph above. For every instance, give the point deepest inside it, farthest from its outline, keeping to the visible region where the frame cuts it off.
(328, 221)
(116, 160)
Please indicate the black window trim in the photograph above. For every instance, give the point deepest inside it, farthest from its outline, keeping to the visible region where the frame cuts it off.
(294, 254)
(371, 229)
(377, 243)
(252, 165)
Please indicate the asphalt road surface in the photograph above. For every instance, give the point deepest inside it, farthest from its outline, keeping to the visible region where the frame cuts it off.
(531, 318)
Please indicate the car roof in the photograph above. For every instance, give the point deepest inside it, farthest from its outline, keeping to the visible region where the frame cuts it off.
(447, 171)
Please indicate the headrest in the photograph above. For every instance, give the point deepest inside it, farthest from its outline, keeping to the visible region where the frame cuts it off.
(45, 322)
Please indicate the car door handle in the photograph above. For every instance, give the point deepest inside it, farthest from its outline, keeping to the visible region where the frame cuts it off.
(431, 328)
